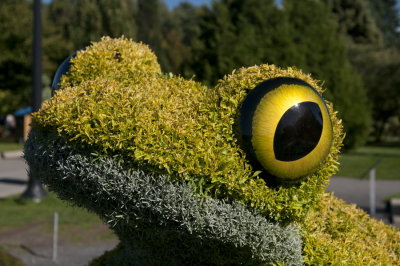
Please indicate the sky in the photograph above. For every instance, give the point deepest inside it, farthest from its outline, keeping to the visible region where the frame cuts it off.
(172, 3)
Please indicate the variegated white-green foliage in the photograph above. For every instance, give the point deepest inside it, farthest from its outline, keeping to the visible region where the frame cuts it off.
(158, 222)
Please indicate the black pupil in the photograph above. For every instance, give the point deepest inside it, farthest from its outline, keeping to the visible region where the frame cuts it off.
(298, 132)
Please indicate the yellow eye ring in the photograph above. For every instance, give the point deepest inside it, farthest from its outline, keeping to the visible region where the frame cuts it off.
(285, 128)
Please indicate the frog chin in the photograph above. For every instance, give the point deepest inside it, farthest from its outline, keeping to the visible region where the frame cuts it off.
(148, 212)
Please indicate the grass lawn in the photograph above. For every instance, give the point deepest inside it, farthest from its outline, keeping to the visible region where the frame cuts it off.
(10, 146)
(74, 222)
(356, 163)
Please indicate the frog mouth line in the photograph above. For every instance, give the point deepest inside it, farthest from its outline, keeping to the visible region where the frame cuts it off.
(150, 207)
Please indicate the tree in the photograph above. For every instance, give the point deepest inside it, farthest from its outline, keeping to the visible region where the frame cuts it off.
(15, 55)
(239, 33)
(150, 18)
(355, 21)
(85, 21)
(181, 33)
(325, 56)
(370, 30)
(73, 24)
(380, 71)
(387, 19)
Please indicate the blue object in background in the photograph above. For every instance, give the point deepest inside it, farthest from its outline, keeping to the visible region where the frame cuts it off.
(23, 111)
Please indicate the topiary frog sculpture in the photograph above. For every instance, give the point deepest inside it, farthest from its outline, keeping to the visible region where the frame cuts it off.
(190, 175)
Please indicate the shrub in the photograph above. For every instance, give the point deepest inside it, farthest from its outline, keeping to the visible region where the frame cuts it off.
(182, 129)
(119, 59)
(157, 157)
(340, 234)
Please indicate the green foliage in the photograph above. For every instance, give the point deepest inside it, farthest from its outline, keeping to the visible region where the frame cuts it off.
(386, 15)
(9, 102)
(356, 21)
(339, 234)
(180, 37)
(68, 26)
(370, 30)
(238, 33)
(380, 69)
(179, 128)
(118, 59)
(157, 157)
(110, 257)
(150, 18)
(15, 56)
(81, 22)
(155, 217)
(324, 57)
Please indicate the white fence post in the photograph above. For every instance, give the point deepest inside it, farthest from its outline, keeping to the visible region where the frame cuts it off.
(372, 191)
(55, 236)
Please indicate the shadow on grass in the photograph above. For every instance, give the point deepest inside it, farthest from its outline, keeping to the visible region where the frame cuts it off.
(31, 251)
(12, 181)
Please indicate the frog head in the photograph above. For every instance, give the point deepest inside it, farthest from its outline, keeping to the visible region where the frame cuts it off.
(184, 173)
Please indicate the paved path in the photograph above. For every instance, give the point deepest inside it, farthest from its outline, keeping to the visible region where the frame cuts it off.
(13, 176)
(356, 191)
(68, 255)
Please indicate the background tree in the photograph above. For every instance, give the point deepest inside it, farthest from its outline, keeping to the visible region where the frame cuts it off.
(352, 45)
(239, 33)
(370, 31)
(74, 24)
(355, 21)
(181, 34)
(387, 19)
(150, 19)
(15, 54)
(324, 55)
(236, 33)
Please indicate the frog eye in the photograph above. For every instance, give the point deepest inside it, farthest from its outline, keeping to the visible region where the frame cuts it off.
(285, 128)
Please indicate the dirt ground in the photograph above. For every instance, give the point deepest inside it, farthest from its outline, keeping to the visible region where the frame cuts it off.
(33, 244)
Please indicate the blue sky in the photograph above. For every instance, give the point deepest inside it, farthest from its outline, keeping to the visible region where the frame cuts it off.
(173, 3)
